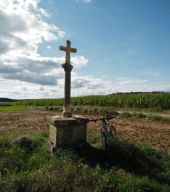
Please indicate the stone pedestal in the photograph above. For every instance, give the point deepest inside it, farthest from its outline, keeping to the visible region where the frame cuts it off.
(67, 132)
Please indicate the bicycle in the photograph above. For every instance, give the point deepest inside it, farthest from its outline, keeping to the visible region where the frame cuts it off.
(108, 132)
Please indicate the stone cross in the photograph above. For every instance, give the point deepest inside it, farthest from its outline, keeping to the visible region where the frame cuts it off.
(67, 86)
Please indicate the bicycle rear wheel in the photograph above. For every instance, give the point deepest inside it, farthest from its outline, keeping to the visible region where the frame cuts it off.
(113, 130)
(111, 133)
(104, 140)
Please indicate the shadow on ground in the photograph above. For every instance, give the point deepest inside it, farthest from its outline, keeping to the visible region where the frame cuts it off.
(126, 156)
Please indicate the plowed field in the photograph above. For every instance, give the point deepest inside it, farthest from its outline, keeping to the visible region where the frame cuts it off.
(139, 131)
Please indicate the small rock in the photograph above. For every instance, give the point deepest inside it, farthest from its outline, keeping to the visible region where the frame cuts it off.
(26, 143)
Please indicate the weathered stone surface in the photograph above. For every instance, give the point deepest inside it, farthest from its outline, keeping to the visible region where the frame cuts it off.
(67, 85)
(67, 132)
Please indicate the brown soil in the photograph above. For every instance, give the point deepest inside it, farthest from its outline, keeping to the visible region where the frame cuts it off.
(138, 131)
(144, 132)
(23, 122)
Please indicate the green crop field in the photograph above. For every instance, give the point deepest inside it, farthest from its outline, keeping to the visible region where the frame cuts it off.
(4, 104)
(154, 101)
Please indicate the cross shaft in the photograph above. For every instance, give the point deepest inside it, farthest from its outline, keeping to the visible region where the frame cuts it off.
(67, 86)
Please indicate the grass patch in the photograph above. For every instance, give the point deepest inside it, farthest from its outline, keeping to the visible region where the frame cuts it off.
(12, 108)
(26, 165)
(126, 115)
(158, 118)
(93, 136)
(151, 117)
(139, 115)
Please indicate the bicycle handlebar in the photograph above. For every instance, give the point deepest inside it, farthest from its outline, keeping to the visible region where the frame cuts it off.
(105, 117)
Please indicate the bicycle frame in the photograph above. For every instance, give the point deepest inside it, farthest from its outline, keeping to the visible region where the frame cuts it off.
(107, 131)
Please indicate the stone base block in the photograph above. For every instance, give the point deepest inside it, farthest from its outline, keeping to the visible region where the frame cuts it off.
(67, 132)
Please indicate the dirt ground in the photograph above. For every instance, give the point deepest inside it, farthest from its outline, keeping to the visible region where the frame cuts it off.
(138, 131)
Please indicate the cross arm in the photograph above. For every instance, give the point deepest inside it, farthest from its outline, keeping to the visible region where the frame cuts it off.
(62, 48)
(73, 50)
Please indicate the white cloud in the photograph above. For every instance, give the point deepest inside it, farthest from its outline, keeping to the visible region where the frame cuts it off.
(136, 85)
(87, 1)
(79, 61)
(24, 73)
(84, 1)
(127, 81)
(22, 27)
(22, 31)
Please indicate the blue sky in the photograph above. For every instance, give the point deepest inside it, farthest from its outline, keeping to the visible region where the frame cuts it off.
(125, 38)
(123, 45)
